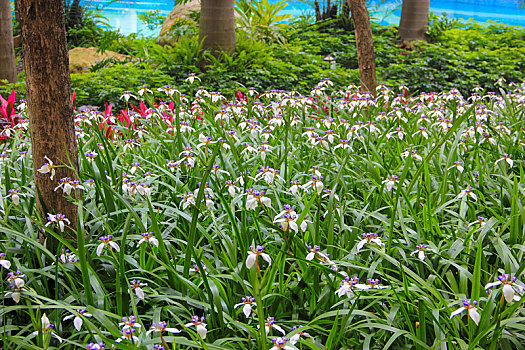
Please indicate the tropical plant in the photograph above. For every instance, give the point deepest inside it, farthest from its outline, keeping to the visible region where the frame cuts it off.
(262, 19)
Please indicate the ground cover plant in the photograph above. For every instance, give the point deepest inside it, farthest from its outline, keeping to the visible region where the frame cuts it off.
(272, 220)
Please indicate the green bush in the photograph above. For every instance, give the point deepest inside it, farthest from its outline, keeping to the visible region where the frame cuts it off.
(108, 83)
(458, 55)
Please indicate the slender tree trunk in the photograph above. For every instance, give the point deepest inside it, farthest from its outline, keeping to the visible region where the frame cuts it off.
(217, 25)
(365, 45)
(7, 50)
(49, 102)
(414, 20)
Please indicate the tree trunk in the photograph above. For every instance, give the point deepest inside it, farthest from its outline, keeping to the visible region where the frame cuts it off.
(217, 25)
(365, 45)
(414, 20)
(49, 102)
(7, 50)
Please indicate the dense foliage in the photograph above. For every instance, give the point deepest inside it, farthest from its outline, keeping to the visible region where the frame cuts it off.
(370, 222)
(459, 55)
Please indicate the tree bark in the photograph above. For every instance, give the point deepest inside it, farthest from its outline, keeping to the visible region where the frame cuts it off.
(414, 20)
(217, 25)
(49, 102)
(7, 50)
(365, 45)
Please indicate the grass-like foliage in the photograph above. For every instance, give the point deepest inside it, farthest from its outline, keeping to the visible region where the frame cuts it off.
(273, 221)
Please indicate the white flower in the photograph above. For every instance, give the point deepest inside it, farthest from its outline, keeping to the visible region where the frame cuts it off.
(160, 327)
(15, 195)
(144, 90)
(294, 186)
(368, 238)
(420, 251)
(129, 323)
(372, 284)
(204, 141)
(268, 174)
(187, 200)
(58, 219)
(107, 242)
(481, 221)
(457, 165)
(199, 325)
(295, 338)
(399, 132)
(65, 184)
(343, 144)
(136, 285)
(422, 132)
(289, 221)
(6, 264)
(280, 343)
(347, 286)
(47, 327)
(507, 158)
(168, 90)
(509, 283)
(255, 197)
(247, 303)
(77, 320)
(149, 237)
(96, 346)
(265, 148)
(316, 184)
(315, 252)
(48, 168)
(253, 253)
(468, 192)
(208, 201)
(126, 95)
(232, 189)
(129, 334)
(270, 324)
(472, 310)
(391, 181)
(192, 77)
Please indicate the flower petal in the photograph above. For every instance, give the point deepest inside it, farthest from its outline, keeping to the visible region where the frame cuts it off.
(77, 322)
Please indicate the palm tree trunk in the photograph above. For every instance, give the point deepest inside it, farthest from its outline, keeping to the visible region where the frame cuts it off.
(217, 25)
(414, 20)
(49, 102)
(7, 51)
(365, 45)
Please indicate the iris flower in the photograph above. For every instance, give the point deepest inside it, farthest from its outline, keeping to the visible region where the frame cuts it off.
(253, 253)
(280, 343)
(199, 325)
(160, 327)
(48, 168)
(246, 304)
(471, 307)
(77, 320)
(509, 286)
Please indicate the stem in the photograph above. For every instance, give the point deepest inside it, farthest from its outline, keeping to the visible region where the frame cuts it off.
(255, 273)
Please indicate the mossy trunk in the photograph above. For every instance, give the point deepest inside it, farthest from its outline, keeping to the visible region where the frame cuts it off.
(49, 102)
